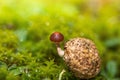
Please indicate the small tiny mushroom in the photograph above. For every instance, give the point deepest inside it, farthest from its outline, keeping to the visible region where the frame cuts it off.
(80, 55)
(57, 37)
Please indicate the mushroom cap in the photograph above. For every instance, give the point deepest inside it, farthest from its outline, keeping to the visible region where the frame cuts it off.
(56, 37)
(81, 56)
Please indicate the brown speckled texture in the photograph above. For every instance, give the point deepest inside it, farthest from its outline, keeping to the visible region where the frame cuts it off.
(81, 56)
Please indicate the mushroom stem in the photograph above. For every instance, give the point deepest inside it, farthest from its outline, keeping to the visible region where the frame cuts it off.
(59, 50)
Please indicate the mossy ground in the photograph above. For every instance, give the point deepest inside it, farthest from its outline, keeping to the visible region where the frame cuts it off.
(26, 53)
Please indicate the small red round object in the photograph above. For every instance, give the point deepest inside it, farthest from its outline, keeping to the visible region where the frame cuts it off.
(56, 37)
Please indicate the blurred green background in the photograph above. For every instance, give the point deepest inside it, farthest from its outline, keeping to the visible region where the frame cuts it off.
(26, 53)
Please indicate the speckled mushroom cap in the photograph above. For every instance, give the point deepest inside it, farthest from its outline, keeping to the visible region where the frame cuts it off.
(81, 56)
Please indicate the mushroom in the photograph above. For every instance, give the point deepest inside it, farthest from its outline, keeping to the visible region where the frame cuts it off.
(57, 37)
(80, 55)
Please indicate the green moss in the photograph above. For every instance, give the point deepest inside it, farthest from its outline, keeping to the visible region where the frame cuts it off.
(26, 53)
